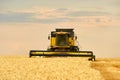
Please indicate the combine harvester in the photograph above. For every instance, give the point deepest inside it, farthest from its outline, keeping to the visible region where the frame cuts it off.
(62, 43)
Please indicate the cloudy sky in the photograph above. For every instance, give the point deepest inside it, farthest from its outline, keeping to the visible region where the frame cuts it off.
(25, 24)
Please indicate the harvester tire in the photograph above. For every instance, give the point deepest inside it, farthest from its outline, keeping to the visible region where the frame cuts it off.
(30, 55)
(92, 58)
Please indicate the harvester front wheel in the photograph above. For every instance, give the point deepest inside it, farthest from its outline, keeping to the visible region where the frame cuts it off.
(30, 55)
(92, 58)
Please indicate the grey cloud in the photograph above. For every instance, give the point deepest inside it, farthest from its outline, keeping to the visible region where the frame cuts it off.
(15, 17)
(68, 16)
(61, 10)
(52, 20)
(98, 20)
(28, 17)
(87, 13)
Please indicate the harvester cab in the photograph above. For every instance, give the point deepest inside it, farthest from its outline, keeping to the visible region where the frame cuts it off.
(63, 40)
(62, 43)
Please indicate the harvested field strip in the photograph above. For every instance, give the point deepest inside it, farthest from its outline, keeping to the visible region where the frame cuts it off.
(24, 68)
(109, 68)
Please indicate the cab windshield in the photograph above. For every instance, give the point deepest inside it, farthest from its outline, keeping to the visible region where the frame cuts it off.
(62, 40)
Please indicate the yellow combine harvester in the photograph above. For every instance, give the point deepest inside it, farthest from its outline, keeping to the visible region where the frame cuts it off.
(62, 43)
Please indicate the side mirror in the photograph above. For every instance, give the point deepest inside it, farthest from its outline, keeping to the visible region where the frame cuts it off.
(48, 37)
(75, 37)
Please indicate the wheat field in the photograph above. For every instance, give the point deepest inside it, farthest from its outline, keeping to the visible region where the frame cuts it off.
(55, 68)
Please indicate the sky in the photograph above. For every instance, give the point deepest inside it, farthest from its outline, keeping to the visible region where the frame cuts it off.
(26, 24)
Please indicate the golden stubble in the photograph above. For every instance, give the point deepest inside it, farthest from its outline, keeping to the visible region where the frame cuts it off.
(108, 67)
